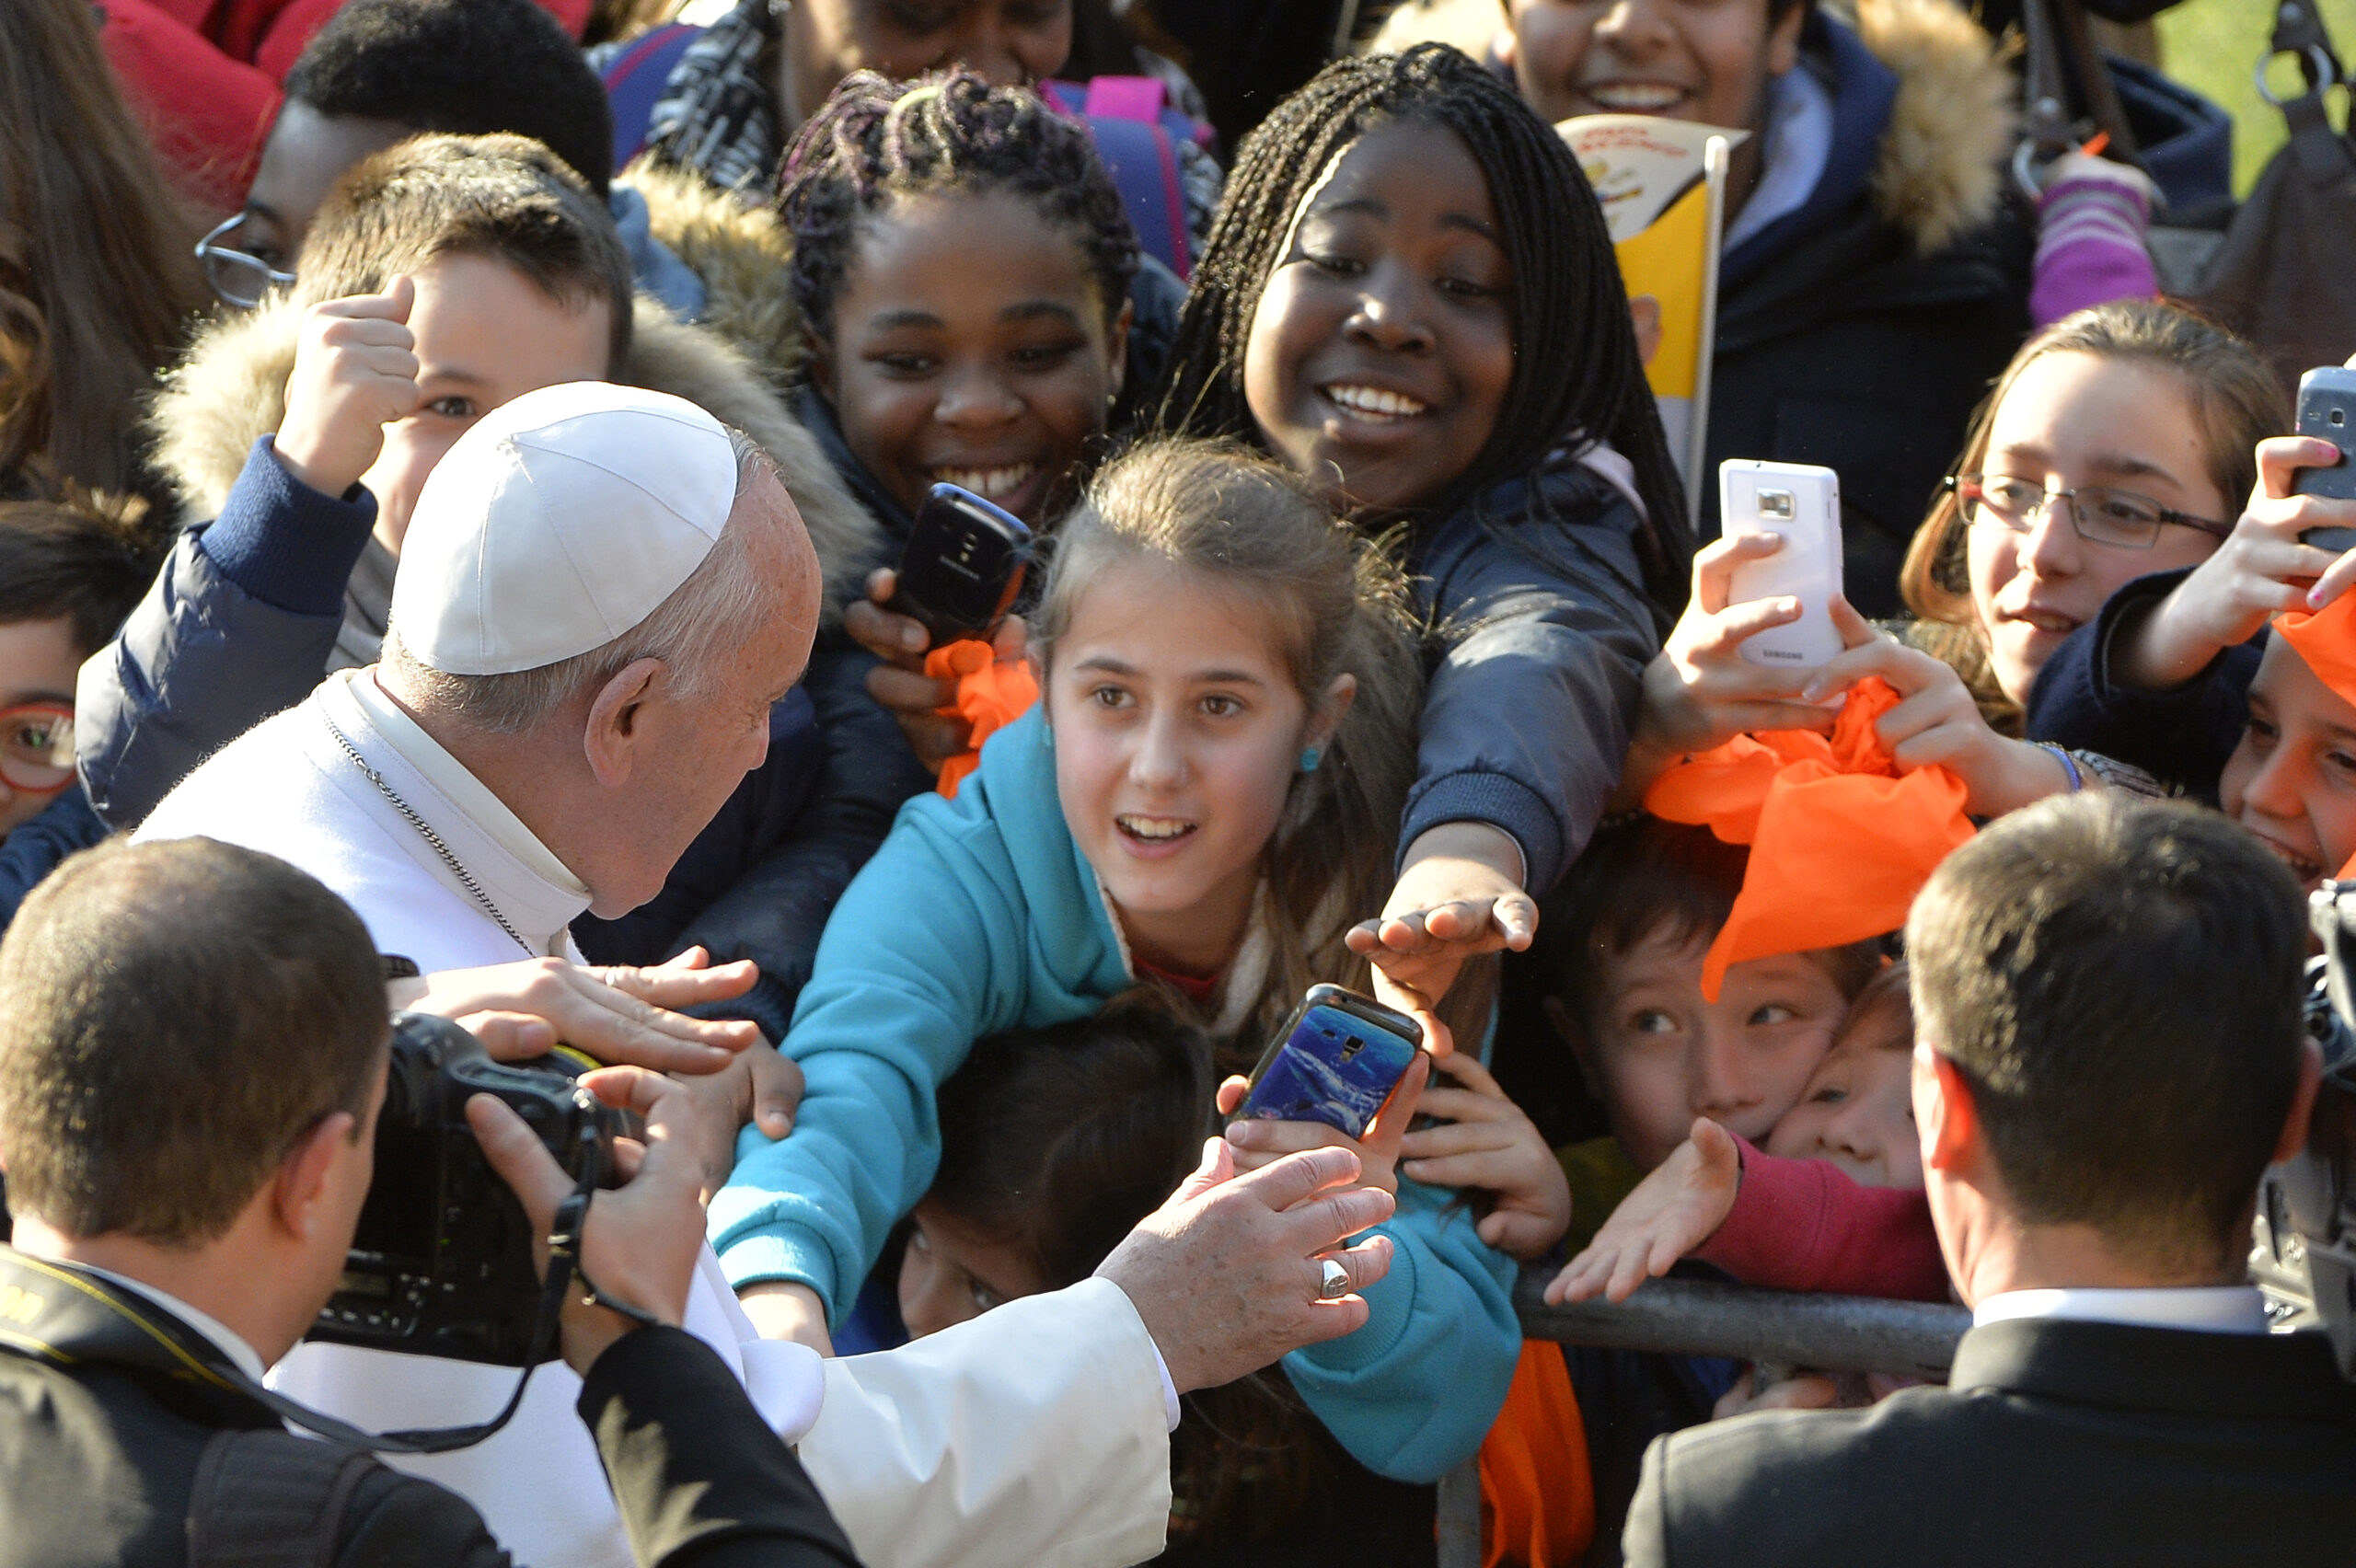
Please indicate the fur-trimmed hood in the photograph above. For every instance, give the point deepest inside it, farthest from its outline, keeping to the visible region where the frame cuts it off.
(231, 390)
(1942, 161)
(741, 253)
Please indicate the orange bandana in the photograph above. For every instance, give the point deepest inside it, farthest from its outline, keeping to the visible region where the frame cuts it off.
(1840, 841)
(990, 696)
(2326, 641)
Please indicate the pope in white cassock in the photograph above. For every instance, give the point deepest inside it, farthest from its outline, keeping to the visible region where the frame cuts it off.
(601, 594)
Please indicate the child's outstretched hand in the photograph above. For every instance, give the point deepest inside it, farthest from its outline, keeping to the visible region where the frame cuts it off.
(1460, 896)
(1936, 721)
(355, 372)
(1485, 1141)
(1256, 1143)
(1672, 1211)
(1699, 690)
(2260, 569)
(899, 684)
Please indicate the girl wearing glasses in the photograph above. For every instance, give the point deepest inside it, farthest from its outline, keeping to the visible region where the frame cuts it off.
(2115, 447)
(69, 573)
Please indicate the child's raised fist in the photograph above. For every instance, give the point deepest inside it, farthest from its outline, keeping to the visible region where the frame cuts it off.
(355, 372)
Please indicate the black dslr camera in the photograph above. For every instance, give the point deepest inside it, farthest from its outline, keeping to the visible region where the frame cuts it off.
(2305, 1252)
(441, 1262)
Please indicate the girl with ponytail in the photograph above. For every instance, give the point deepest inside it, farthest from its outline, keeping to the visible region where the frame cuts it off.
(1205, 792)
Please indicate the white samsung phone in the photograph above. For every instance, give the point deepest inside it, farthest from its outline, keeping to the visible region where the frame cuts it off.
(1801, 503)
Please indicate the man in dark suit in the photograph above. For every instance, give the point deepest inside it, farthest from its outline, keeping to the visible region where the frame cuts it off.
(2107, 1003)
(193, 1057)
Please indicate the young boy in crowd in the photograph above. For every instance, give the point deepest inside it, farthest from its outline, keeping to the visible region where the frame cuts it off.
(69, 572)
(383, 70)
(1619, 945)
(1831, 1201)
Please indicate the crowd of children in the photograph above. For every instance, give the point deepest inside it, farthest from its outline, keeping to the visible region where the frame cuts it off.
(1372, 642)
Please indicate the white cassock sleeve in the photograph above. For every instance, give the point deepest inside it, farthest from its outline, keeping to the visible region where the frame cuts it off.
(1035, 1434)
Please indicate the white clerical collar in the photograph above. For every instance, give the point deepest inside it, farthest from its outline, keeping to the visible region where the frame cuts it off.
(2216, 1309)
(226, 1340)
(447, 774)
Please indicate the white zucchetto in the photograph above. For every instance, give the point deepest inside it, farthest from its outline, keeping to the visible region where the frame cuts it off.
(557, 523)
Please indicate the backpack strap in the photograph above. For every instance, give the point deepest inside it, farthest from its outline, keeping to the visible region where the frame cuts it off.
(269, 1499)
(634, 81)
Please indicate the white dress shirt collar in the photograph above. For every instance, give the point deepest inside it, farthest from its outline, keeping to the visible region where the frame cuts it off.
(224, 1339)
(2215, 1309)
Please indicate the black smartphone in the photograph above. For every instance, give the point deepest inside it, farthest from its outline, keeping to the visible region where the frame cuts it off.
(2328, 411)
(963, 566)
(1335, 1061)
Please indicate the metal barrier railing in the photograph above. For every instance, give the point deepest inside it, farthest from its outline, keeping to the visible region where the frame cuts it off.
(1691, 1317)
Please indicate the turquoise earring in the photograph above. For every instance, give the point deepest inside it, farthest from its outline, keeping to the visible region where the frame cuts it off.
(1309, 757)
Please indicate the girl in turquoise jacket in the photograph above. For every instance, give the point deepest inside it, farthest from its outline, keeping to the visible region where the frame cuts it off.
(1206, 795)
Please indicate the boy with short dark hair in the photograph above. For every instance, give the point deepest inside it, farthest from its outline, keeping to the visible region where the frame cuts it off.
(70, 571)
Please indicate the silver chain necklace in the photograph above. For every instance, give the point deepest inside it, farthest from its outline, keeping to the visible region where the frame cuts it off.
(427, 834)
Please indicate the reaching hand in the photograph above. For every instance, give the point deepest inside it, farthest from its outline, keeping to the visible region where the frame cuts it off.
(1700, 691)
(1257, 1142)
(1458, 896)
(758, 1086)
(1486, 1142)
(1937, 721)
(639, 1242)
(355, 372)
(1228, 1274)
(1676, 1208)
(2261, 568)
(621, 1014)
(900, 685)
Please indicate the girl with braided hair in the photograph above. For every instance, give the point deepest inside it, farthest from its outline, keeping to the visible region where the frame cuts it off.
(1411, 298)
(963, 264)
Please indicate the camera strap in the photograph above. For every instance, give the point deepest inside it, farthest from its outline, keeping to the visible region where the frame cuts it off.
(63, 1315)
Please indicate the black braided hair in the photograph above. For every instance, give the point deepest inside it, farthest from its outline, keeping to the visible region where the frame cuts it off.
(1577, 367)
(874, 141)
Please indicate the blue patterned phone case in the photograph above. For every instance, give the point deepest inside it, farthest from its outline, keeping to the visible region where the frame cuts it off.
(1337, 1062)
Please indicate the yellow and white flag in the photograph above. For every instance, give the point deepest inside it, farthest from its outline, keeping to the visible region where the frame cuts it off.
(1663, 185)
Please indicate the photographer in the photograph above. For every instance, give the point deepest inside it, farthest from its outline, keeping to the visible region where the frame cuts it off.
(194, 1058)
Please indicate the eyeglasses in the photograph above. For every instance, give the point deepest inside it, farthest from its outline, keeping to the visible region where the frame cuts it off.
(238, 278)
(2101, 515)
(37, 747)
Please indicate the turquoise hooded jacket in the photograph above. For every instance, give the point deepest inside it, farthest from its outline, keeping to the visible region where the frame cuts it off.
(980, 915)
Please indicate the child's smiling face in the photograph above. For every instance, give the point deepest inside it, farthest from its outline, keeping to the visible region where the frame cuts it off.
(1858, 1108)
(2292, 781)
(1657, 1055)
(970, 344)
(1381, 350)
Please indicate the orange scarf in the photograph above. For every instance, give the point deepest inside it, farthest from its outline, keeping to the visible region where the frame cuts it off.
(1537, 1491)
(1840, 841)
(990, 696)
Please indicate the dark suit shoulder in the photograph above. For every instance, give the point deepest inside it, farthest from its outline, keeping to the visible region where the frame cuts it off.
(400, 1521)
(94, 1469)
(2001, 1475)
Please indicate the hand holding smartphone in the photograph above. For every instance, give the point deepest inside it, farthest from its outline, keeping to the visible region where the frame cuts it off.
(1800, 504)
(1335, 1061)
(2328, 411)
(963, 564)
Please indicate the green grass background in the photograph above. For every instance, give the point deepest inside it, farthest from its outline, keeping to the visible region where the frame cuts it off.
(2211, 47)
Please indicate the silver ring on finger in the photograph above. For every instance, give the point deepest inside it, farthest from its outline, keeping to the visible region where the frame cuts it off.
(1335, 1281)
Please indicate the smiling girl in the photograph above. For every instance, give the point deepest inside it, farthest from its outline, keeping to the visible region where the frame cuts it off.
(1411, 299)
(2102, 469)
(1205, 792)
(961, 262)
